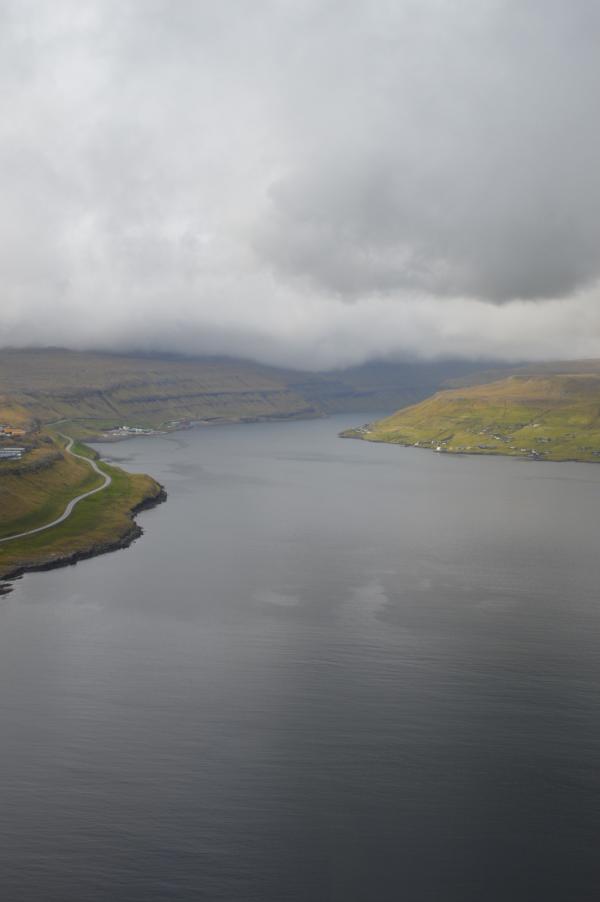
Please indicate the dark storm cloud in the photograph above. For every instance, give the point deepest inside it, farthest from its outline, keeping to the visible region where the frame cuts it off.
(305, 182)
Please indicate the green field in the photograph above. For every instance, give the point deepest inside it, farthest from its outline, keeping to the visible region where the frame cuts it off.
(35, 497)
(547, 416)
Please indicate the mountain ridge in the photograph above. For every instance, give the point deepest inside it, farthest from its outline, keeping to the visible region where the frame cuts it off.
(98, 390)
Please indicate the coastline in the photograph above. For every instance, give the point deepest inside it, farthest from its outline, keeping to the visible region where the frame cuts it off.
(356, 435)
(183, 426)
(95, 549)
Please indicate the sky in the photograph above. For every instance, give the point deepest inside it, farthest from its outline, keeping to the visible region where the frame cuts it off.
(311, 183)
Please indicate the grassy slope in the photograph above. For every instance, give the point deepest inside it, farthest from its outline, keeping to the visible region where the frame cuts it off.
(30, 499)
(101, 390)
(554, 416)
(36, 497)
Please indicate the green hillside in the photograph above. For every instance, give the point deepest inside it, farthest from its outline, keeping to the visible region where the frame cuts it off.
(35, 490)
(544, 415)
(101, 391)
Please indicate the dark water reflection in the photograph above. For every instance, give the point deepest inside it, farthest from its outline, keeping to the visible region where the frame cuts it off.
(329, 671)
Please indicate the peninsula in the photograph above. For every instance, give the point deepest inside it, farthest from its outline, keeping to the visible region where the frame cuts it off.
(548, 413)
(60, 505)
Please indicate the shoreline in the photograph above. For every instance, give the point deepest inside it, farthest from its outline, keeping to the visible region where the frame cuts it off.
(488, 453)
(134, 531)
(95, 550)
(183, 426)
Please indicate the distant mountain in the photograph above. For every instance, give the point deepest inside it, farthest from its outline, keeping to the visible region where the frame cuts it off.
(547, 411)
(101, 391)
(378, 386)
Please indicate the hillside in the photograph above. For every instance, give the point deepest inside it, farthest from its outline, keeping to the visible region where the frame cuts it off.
(35, 491)
(545, 415)
(95, 391)
(101, 390)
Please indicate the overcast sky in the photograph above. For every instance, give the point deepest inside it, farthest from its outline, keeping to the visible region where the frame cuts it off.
(304, 182)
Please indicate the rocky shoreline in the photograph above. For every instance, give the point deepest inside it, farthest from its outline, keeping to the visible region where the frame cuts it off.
(122, 541)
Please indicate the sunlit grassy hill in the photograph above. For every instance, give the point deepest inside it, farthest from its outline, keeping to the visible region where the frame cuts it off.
(548, 415)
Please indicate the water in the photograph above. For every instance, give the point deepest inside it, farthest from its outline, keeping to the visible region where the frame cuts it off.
(329, 671)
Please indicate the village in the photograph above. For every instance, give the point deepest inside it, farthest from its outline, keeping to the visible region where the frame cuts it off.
(10, 433)
(129, 431)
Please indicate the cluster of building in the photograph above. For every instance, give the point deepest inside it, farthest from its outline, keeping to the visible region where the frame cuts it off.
(10, 431)
(11, 453)
(6, 451)
(124, 431)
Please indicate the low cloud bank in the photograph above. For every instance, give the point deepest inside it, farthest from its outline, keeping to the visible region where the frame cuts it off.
(305, 183)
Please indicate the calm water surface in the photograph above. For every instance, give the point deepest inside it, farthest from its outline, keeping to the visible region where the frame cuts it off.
(330, 671)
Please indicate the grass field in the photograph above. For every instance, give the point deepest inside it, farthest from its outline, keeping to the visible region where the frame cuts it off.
(36, 497)
(545, 416)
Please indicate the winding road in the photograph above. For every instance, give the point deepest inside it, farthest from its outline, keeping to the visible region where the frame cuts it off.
(74, 501)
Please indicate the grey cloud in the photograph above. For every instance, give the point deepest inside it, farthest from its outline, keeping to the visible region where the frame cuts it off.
(302, 181)
(464, 164)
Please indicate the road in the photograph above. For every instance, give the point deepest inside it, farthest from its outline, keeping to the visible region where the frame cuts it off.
(74, 501)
